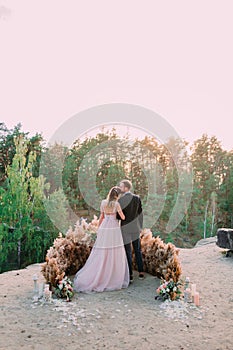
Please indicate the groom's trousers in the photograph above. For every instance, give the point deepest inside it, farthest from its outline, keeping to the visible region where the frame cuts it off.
(138, 255)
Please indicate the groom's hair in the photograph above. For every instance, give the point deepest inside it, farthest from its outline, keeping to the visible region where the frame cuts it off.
(127, 183)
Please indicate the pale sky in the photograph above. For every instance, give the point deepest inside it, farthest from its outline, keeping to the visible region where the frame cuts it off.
(174, 57)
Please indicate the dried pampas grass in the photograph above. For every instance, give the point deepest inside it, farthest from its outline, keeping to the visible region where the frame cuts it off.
(159, 259)
(68, 254)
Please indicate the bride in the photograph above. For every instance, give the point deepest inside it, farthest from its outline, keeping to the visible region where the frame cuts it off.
(106, 267)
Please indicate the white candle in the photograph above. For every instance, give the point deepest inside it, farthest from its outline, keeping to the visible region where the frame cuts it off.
(46, 291)
(193, 289)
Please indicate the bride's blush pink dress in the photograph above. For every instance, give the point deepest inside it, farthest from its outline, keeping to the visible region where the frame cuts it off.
(106, 267)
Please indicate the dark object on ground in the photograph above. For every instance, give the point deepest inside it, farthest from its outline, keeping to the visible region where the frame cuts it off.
(225, 239)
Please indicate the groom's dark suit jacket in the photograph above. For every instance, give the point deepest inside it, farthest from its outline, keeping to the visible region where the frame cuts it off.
(132, 208)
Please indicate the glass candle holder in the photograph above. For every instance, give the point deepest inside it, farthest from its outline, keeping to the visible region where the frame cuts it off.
(187, 295)
(187, 282)
(35, 279)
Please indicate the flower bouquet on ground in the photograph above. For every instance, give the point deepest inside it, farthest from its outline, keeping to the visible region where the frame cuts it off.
(169, 290)
(64, 289)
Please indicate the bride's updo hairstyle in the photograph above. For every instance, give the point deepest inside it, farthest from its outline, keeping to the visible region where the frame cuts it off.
(113, 195)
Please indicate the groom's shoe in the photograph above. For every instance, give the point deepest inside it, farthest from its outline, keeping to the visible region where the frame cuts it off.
(141, 276)
(131, 279)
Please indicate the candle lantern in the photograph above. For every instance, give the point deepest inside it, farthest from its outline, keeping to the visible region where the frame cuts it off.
(41, 290)
(47, 295)
(188, 295)
(187, 282)
(35, 279)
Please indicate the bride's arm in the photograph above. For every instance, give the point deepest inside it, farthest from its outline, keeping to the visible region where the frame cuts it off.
(101, 213)
(101, 218)
(120, 212)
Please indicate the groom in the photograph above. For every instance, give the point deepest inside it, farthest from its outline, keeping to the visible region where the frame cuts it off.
(131, 226)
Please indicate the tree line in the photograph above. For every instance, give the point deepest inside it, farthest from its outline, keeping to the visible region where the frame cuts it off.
(98, 163)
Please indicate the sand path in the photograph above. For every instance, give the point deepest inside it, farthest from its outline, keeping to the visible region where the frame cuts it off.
(126, 319)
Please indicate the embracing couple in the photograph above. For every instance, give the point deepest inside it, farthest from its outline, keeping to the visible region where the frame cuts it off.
(109, 265)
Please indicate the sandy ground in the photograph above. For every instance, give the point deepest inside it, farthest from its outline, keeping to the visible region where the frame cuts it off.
(126, 319)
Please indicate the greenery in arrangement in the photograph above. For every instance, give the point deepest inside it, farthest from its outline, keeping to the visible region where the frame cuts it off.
(29, 198)
(65, 289)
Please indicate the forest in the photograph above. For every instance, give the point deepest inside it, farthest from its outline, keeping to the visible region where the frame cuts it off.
(39, 182)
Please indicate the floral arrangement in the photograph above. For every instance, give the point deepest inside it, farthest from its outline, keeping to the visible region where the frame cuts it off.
(169, 290)
(65, 289)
